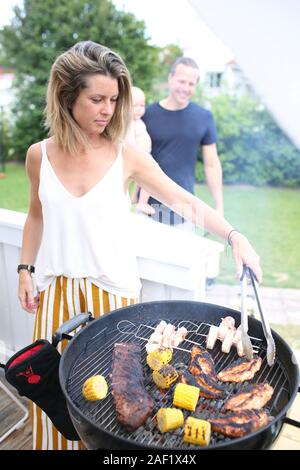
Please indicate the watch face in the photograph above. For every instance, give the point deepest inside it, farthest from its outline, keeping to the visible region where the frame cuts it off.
(28, 267)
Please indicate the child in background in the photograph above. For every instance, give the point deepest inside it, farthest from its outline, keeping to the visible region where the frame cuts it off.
(139, 136)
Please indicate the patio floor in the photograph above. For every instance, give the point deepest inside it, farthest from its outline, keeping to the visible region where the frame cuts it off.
(281, 305)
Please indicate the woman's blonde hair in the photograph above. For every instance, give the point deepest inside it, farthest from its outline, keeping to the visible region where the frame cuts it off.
(67, 79)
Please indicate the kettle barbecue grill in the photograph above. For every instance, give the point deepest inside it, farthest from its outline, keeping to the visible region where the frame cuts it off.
(90, 353)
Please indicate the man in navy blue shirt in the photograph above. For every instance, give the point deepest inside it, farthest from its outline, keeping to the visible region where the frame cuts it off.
(177, 128)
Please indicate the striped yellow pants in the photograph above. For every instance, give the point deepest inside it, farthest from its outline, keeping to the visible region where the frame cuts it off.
(62, 300)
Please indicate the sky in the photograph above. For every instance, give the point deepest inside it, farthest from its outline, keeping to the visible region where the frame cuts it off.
(177, 22)
(6, 12)
(167, 21)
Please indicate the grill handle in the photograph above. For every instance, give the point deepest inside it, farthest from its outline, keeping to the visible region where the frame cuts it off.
(69, 326)
(292, 422)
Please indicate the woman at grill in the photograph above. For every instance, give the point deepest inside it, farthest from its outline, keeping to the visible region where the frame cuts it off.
(77, 231)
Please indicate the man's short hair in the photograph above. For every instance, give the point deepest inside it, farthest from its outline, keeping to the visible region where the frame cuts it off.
(187, 61)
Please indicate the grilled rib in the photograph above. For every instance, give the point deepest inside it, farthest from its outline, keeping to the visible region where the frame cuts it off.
(133, 404)
(253, 397)
(240, 370)
(240, 424)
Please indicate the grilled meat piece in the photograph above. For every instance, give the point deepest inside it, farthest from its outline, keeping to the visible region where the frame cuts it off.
(188, 379)
(203, 369)
(133, 404)
(208, 387)
(240, 424)
(240, 370)
(253, 397)
(201, 362)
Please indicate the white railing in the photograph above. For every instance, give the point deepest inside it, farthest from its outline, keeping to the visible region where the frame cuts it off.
(16, 325)
(166, 257)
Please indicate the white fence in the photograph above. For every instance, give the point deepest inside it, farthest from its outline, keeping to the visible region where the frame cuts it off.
(172, 264)
(16, 325)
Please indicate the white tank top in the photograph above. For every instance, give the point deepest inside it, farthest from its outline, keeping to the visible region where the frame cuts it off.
(87, 236)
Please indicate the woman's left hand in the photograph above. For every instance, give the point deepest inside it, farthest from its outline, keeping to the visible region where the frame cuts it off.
(244, 253)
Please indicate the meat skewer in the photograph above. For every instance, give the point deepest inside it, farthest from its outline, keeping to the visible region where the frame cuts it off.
(161, 327)
(212, 337)
(237, 342)
(226, 324)
(165, 336)
(227, 334)
(240, 349)
(228, 341)
(133, 403)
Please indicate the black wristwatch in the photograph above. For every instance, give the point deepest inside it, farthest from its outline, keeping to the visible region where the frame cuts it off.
(28, 267)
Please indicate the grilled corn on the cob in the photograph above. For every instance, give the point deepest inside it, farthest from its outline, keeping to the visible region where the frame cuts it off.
(95, 388)
(186, 396)
(197, 431)
(158, 358)
(169, 418)
(165, 376)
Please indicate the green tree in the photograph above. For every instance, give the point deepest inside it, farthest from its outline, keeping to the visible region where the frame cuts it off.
(252, 148)
(42, 29)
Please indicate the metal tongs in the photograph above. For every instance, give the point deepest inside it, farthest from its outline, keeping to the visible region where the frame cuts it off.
(271, 348)
(246, 342)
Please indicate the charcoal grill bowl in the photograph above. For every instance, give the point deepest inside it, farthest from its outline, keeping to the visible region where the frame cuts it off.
(94, 436)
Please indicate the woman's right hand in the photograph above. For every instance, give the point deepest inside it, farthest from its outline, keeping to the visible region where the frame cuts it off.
(27, 300)
(244, 253)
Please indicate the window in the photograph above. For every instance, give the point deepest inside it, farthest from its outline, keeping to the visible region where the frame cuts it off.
(213, 79)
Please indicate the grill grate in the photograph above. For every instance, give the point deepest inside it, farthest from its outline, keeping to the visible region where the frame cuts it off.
(96, 359)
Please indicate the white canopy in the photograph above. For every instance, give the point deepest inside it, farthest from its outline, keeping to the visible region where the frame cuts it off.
(264, 36)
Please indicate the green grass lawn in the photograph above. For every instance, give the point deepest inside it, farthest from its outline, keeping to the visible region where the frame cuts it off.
(290, 333)
(14, 188)
(270, 218)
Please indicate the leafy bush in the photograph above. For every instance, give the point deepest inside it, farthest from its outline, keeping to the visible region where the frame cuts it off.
(252, 148)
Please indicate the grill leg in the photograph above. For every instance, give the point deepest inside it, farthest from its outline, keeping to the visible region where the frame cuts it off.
(22, 421)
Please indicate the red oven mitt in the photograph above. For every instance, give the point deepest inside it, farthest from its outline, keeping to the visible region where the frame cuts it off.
(33, 371)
